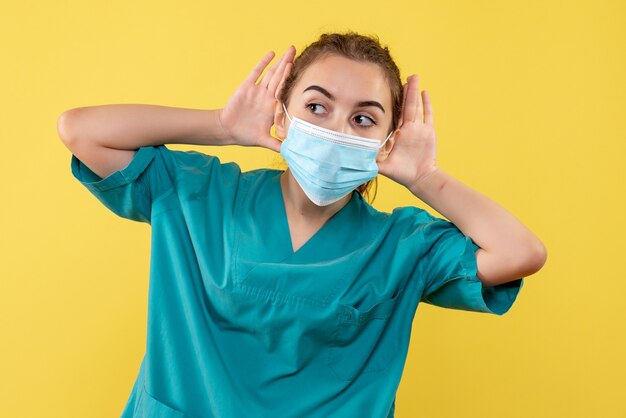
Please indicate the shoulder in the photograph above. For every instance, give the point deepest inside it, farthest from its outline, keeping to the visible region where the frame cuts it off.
(405, 217)
(192, 166)
(415, 225)
(412, 215)
(194, 162)
(397, 228)
(198, 161)
(259, 174)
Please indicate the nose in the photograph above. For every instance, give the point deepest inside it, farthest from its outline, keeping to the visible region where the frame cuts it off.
(341, 123)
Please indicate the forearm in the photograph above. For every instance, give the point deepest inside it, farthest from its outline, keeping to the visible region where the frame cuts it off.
(490, 226)
(131, 126)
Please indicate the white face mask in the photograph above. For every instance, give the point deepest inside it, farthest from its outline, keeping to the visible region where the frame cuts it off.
(328, 164)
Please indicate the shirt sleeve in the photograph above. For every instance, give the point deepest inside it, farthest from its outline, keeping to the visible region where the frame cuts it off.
(449, 270)
(153, 172)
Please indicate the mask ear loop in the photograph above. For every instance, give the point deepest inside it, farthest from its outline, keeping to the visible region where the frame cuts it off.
(386, 139)
(287, 113)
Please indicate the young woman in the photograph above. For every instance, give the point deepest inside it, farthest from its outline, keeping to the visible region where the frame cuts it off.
(284, 293)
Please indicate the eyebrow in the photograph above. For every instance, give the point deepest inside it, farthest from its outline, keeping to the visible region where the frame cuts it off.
(326, 93)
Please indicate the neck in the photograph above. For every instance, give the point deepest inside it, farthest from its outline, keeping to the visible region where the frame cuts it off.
(299, 203)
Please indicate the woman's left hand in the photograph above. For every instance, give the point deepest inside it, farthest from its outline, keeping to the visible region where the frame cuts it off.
(412, 158)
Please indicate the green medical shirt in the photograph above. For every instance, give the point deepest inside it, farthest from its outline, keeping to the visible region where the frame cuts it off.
(240, 325)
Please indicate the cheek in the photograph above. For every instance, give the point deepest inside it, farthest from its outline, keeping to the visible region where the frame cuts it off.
(388, 124)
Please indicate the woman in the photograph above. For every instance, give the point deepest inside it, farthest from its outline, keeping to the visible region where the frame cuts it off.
(284, 293)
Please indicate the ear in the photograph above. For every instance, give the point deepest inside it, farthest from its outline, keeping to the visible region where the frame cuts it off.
(279, 120)
(384, 152)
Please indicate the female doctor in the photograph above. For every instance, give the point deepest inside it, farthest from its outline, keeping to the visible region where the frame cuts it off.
(284, 293)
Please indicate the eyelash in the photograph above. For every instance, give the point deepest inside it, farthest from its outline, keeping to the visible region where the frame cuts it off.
(309, 106)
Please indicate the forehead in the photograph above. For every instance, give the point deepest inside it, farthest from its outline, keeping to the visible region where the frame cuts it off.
(346, 79)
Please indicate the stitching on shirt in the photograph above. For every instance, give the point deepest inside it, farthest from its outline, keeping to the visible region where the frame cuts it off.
(279, 297)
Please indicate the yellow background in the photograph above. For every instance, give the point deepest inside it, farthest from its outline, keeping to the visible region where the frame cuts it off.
(528, 101)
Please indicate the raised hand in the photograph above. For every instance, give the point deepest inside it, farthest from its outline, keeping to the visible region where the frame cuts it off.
(249, 114)
(412, 158)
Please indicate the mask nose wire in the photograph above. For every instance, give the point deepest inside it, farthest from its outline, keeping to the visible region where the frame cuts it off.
(380, 146)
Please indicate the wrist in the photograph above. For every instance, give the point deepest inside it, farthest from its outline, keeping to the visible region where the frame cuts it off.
(218, 131)
(432, 181)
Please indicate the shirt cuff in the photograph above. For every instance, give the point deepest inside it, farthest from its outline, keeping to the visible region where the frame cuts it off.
(467, 291)
(128, 174)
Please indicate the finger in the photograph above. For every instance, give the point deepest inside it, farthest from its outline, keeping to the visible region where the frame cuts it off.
(419, 113)
(267, 77)
(401, 121)
(258, 69)
(279, 89)
(279, 75)
(428, 109)
(410, 106)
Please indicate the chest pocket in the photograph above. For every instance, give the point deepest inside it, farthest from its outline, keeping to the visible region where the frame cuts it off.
(148, 406)
(364, 341)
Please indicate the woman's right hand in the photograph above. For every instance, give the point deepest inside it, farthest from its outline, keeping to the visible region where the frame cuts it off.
(248, 115)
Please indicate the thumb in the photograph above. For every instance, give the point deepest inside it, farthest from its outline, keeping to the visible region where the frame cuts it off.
(270, 142)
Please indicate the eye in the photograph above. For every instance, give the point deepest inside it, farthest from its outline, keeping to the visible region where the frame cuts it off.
(364, 121)
(316, 108)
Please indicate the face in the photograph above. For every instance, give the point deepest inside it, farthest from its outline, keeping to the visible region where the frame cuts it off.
(341, 94)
